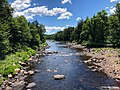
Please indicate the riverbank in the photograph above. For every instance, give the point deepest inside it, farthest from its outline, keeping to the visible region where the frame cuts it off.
(105, 60)
(16, 68)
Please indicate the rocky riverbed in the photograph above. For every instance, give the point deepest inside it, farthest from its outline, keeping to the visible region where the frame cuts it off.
(69, 68)
(101, 60)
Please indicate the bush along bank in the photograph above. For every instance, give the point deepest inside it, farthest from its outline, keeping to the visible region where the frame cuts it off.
(14, 69)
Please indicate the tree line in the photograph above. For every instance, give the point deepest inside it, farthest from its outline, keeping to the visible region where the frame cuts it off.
(98, 31)
(16, 33)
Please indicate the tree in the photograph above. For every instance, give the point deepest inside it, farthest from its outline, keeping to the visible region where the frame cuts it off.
(5, 17)
(5, 10)
(98, 32)
(84, 35)
(67, 33)
(117, 12)
(20, 34)
(59, 36)
(75, 36)
(114, 31)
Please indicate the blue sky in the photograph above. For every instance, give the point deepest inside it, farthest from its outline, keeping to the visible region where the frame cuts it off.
(59, 14)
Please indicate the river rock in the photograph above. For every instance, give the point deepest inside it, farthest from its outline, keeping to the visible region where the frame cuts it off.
(10, 76)
(30, 59)
(23, 64)
(58, 77)
(88, 61)
(48, 70)
(29, 89)
(17, 70)
(31, 72)
(18, 85)
(109, 88)
(22, 71)
(0, 88)
(26, 73)
(36, 71)
(8, 88)
(55, 70)
(118, 79)
(30, 85)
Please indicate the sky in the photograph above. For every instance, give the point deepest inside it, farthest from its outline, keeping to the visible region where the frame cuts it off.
(59, 14)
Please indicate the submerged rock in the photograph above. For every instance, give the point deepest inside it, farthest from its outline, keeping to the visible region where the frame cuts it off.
(58, 77)
(30, 85)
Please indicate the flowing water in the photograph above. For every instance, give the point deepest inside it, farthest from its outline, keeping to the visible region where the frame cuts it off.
(69, 63)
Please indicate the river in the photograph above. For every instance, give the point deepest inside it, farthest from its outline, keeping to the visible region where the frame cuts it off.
(70, 64)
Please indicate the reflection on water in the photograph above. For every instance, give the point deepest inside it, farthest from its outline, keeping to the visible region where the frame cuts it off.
(68, 62)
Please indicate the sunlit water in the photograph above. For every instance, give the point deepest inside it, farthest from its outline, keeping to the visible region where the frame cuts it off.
(68, 62)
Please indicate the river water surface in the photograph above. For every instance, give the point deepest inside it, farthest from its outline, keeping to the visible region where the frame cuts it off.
(69, 63)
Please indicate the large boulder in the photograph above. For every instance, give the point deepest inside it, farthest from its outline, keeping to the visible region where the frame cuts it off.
(19, 85)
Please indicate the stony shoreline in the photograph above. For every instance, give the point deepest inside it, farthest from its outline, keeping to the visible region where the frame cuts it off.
(101, 60)
(17, 81)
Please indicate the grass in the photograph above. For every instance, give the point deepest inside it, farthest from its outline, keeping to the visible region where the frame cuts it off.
(117, 61)
(109, 55)
(11, 62)
(96, 50)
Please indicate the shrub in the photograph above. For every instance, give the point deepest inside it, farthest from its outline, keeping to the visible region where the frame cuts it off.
(11, 62)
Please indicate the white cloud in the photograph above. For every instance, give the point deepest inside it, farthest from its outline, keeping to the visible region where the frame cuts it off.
(79, 18)
(53, 29)
(59, 10)
(22, 7)
(113, 0)
(20, 4)
(66, 1)
(43, 10)
(112, 10)
(22, 14)
(65, 15)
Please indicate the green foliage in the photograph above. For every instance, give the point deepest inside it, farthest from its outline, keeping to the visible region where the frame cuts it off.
(1, 81)
(117, 61)
(99, 31)
(18, 40)
(49, 37)
(17, 33)
(11, 62)
(31, 52)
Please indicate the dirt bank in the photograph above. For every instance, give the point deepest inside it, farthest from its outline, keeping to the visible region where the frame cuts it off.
(106, 60)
